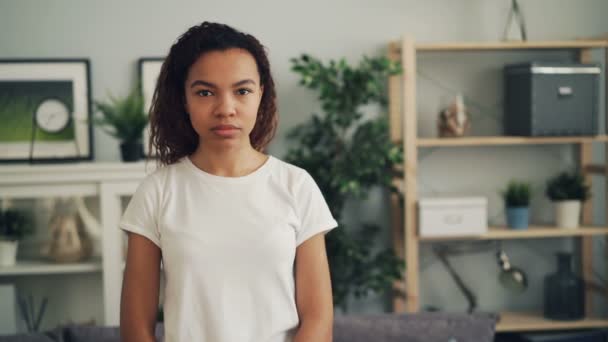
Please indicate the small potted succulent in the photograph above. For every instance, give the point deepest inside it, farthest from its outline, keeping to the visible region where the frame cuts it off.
(517, 204)
(568, 191)
(125, 119)
(13, 228)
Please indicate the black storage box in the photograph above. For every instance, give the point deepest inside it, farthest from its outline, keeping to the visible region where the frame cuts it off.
(544, 99)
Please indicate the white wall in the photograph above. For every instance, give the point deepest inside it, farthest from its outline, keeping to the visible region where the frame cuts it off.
(114, 34)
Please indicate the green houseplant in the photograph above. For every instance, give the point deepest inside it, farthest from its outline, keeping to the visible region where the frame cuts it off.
(347, 155)
(567, 191)
(14, 226)
(517, 202)
(125, 119)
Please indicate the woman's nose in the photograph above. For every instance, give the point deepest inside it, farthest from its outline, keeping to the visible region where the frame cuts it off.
(226, 106)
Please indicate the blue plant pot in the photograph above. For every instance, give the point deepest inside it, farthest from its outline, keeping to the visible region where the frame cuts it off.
(518, 217)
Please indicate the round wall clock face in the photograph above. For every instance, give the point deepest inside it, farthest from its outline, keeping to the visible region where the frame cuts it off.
(52, 115)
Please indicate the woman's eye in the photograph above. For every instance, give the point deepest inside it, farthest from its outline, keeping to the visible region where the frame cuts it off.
(244, 91)
(203, 93)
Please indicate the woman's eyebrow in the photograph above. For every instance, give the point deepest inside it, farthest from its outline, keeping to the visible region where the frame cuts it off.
(211, 85)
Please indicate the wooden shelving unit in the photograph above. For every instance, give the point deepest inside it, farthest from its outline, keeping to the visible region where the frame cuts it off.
(403, 130)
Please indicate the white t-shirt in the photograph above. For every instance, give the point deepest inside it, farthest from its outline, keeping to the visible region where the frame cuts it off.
(228, 247)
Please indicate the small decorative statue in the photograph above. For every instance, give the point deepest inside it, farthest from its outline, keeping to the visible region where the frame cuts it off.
(72, 229)
(453, 121)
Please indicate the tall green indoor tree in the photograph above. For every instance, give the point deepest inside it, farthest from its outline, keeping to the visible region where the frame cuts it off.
(348, 154)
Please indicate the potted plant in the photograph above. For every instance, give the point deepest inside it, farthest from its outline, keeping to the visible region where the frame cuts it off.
(348, 154)
(125, 119)
(567, 191)
(517, 203)
(13, 227)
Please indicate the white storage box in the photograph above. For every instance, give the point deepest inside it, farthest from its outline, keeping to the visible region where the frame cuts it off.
(452, 216)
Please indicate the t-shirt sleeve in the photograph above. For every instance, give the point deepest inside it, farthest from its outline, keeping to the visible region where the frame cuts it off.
(141, 215)
(313, 211)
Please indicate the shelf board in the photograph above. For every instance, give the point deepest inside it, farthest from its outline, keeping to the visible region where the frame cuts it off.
(512, 45)
(507, 140)
(40, 267)
(533, 232)
(77, 172)
(511, 322)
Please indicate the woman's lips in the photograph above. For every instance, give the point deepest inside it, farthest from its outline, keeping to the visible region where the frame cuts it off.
(225, 131)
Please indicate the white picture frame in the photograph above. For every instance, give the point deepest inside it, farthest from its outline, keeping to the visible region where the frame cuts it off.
(25, 85)
(149, 69)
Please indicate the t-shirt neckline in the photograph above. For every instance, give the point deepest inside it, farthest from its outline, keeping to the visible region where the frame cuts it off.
(231, 180)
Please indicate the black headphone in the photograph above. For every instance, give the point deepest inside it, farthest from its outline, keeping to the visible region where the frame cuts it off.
(510, 277)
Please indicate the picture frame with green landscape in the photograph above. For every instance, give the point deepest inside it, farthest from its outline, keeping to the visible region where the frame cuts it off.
(45, 110)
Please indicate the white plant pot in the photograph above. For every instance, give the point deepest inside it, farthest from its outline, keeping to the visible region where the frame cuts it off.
(567, 214)
(8, 252)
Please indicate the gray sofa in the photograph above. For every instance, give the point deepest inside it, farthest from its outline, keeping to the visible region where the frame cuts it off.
(419, 327)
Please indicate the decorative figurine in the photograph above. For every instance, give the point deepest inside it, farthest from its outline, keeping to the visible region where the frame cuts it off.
(453, 121)
(72, 231)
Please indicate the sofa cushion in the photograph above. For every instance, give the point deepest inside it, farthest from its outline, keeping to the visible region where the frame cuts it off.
(29, 337)
(77, 333)
(86, 333)
(419, 327)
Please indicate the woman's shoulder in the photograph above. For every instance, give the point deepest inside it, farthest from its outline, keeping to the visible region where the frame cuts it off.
(287, 167)
(290, 173)
(156, 175)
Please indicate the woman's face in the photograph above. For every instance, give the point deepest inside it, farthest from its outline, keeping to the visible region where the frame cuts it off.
(222, 95)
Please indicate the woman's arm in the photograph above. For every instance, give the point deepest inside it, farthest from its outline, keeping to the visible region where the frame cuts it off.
(140, 289)
(313, 291)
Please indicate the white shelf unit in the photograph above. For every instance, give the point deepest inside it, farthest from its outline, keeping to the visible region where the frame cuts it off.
(403, 130)
(108, 182)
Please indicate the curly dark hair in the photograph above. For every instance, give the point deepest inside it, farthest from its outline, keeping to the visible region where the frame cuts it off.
(171, 132)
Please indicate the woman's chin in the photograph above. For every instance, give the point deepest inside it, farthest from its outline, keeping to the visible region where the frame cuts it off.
(225, 142)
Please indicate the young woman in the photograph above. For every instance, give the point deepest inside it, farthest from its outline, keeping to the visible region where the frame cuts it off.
(240, 233)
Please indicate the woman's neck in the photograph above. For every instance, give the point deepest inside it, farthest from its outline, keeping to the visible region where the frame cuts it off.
(228, 162)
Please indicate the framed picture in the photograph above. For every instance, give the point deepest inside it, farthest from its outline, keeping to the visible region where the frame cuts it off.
(45, 110)
(149, 69)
